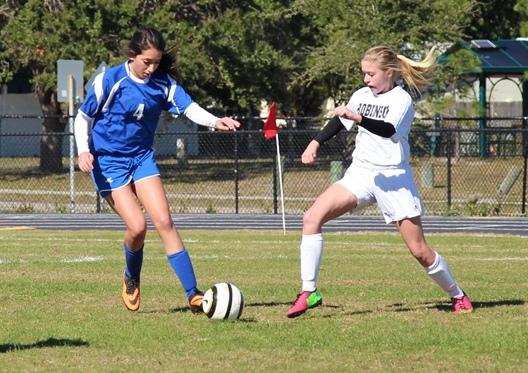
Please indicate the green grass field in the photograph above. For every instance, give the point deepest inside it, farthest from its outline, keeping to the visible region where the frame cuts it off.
(60, 307)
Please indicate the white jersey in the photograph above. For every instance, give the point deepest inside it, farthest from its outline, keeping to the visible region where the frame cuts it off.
(395, 107)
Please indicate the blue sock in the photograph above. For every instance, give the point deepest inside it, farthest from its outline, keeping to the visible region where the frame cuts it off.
(134, 260)
(181, 264)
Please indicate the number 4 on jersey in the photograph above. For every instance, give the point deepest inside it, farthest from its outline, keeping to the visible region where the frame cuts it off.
(138, 114)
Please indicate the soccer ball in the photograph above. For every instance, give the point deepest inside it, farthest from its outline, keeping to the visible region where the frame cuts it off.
(223, 301)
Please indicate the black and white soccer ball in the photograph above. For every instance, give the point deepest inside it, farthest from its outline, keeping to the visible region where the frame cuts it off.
(223, 301)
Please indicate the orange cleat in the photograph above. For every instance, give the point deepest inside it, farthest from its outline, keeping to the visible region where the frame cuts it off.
(195, 302)
(131, 293)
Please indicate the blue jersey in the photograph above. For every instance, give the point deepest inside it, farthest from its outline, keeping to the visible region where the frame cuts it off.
(126, 110)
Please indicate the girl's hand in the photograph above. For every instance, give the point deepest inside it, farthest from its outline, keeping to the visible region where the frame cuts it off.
(85, 161)
(310, 153)
(227, 124)
(342, 111)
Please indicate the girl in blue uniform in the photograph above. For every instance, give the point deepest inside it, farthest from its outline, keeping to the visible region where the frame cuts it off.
(114, 132)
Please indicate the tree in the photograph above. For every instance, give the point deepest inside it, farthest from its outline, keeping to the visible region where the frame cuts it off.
(521, 7)
(410, 27)
(493, 19)
(233, 54)
(39, 33)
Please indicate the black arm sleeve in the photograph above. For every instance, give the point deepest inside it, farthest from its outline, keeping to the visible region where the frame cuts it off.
(330, 130)
(377, 127)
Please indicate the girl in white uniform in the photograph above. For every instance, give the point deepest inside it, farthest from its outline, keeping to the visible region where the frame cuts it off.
(380, 171)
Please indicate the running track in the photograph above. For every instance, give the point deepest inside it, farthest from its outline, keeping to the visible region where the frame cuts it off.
(514, 226)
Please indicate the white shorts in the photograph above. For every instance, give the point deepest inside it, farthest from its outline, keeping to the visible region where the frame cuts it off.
(393, 189)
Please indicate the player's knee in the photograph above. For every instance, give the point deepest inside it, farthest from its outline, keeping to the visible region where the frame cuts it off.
(311, 219)
(422, 253)
(163, 223)
(137, 229)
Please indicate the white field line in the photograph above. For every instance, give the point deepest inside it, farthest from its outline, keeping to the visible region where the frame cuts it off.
(79, 259)
(83, 259)
(330, 244)
(201, 241)
(506, 259)
(94, 259)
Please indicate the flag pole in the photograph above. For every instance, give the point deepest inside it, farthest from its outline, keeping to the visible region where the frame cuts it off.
(270, 131)
(280, 182)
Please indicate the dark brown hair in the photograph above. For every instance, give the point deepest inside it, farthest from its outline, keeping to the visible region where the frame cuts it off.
(147, 38)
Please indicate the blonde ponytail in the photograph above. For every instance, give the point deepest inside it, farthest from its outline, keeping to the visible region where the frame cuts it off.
(417, 74)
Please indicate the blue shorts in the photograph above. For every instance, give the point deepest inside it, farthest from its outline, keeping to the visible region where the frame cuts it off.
(114, 172)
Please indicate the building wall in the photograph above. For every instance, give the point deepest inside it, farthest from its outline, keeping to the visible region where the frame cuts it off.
(503, 95)
(22, 105)
(20, 112)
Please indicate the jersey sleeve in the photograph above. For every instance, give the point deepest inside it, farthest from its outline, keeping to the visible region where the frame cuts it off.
(81, 127)
(178, 99)
(91, 104)
(401, 108)
(349, 123)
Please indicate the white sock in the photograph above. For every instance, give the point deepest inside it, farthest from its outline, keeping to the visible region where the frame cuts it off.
(311, 253)
(440, 273)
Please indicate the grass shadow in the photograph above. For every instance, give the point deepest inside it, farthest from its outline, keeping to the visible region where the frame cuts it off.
(262, 304)
(439, 306)
(447, 307)
(268, 304)
(50, 342)
(184, 309)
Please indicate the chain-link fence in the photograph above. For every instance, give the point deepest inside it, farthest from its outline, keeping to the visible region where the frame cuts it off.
(459, 168)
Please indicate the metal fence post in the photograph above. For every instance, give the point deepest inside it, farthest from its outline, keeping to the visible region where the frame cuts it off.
(97, 202)
(482, 121)
(236, 171)
(71, 100)
(434, 137)
(449, 145)
(525, 164)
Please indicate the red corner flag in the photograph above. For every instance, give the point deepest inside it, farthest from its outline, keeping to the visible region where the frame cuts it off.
(270, 127)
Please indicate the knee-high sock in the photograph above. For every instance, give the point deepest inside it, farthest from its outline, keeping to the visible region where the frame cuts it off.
(134, 261)
(311, 253)
(440, 273)
(182, 266)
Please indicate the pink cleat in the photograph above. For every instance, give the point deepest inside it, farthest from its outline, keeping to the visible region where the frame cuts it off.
(462, 304)
(304, 301)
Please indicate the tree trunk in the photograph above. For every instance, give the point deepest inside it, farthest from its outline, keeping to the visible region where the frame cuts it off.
(53, 126)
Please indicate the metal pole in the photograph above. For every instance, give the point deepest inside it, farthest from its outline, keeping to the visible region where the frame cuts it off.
(237, 174)
(525, 140)
(523, 205)
(483, 113)
(71, 101)
(525, 164)
(449, 134)
(434, 137)
(3, 112)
